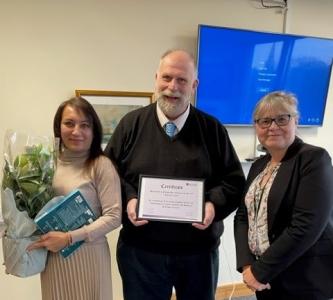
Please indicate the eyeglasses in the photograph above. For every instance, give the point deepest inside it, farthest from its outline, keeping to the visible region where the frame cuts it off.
(281, 120)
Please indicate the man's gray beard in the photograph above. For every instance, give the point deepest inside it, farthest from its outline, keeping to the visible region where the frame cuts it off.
(169, 109)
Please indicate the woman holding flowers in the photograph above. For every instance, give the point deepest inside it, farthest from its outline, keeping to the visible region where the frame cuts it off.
(85, 274)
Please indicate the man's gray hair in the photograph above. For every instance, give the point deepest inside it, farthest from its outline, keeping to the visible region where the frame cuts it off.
(189, 54)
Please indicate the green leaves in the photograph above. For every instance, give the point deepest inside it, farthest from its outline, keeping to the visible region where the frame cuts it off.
(30, 178)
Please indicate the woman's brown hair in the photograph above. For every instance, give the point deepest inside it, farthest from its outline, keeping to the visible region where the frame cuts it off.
(82, 105)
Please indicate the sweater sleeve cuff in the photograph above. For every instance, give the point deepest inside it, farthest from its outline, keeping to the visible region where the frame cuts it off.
(79, 234)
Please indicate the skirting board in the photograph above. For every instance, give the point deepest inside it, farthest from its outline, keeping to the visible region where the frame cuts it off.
(224, 291)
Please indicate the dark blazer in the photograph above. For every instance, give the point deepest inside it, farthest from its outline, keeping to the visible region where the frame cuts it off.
(300, 223)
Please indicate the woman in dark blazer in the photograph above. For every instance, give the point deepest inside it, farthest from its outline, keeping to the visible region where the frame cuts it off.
(284, 225)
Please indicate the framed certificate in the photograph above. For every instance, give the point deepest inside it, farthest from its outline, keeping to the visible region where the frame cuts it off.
(171, 199)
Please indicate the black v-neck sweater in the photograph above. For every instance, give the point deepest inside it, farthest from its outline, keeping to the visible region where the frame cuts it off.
(202, 149)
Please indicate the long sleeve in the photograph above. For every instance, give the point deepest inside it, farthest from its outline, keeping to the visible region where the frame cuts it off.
(107, 184)
(310, 215)
(225, 188)
(201, 149)
(116, 150)
(299, 212)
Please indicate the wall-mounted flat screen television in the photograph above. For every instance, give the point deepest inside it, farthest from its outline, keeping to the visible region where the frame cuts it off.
(237, 67)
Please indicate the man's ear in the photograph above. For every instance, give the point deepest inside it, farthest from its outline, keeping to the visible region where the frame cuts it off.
(195, 84)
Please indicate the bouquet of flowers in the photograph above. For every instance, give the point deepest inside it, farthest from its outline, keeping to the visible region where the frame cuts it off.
(29, 164)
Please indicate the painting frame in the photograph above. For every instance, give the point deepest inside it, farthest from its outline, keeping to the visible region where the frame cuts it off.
(111, 106)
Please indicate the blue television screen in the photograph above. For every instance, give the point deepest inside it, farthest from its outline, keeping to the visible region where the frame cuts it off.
(237, 67)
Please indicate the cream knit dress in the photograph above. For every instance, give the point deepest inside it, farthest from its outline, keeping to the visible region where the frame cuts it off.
(86, 274)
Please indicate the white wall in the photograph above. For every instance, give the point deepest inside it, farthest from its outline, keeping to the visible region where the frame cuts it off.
(50, 48)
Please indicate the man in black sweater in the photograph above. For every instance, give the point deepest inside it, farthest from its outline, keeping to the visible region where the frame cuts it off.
(155, 256)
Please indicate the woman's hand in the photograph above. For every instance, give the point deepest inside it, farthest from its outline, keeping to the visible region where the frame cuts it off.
(53, 241)
(251, 282)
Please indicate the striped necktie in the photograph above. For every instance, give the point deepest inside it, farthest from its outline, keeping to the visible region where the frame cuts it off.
(170, 129)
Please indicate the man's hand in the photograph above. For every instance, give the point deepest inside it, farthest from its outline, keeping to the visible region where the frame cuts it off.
(131, 213)
(251, 282)
(209, 216)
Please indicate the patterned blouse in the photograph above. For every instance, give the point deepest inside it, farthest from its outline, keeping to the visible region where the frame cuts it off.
(256, 203)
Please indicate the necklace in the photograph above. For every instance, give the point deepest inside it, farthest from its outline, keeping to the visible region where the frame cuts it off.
(261, 186)
(260, 200)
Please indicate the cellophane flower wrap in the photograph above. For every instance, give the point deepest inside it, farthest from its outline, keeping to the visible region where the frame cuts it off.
(29, 165)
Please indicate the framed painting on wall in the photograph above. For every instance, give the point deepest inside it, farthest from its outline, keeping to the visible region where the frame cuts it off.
(111, 106)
